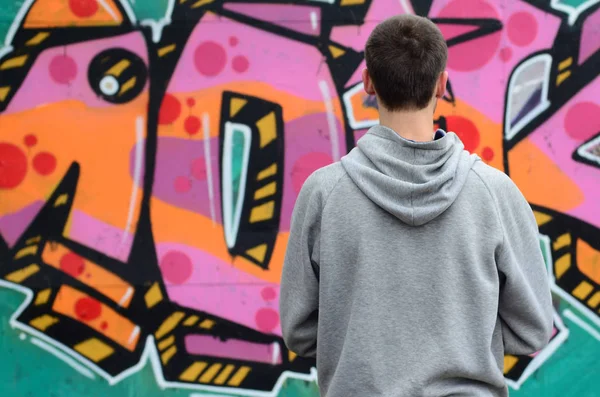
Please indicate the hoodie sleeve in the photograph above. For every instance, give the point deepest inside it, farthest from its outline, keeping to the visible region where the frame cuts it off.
(525, 306)
(299, 296)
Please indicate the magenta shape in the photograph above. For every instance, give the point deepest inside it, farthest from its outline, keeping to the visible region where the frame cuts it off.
(206, 345)
(590, 37)
(63, 69)
(13, 225)
(210, 58)
(176, 267)
(450, 31)
(291, 16)
(180, 174)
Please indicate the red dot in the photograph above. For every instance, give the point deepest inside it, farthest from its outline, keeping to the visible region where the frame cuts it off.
(199, 169)
(268, 293)
(472, 54)
(267, 319)
(88, 309)
(104, 325)
(582, 120)
(306, 165)
(466, 131)
(170, 109)
(30, 140)
(72, 264)
(240, 64)
(44, 163)
(176, 267)
(182, 184)
(233, 41)
(83, 8)
(191, 102)
(63, 69)
(505, 54)
(210, 58)
(522, 28)
(488, 154)
(192, 125)
(13, 166)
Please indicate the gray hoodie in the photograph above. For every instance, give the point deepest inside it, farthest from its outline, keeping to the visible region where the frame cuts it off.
(411, 269)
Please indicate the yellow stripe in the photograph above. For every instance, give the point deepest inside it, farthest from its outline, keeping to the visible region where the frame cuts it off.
(119, 67)
(43, 296)
(166, 356)
(129, 84)
(267, 172)
(292, 356)
(4, 91)
(61, 200)
(201, 3)
(562, 77)
(541, 218)
(192, 372)
(15, 62)
(267, 129)
(210, 373)
(565, 64)
(162, 345)
(38, 38)
(191, 320)
(31, 250)
(94, 349)
(259, 252)
(168, 325)
(224, 374)
(207, 324)
(266, 191)
(583, 290)
(561, 265)
(43, 322)
(562, 241)
(236, 105)
(594, 300)
(509, 363)
(166, 49)
(239, 376)
(336, 52)
(262, 212)
(21, 275)
(33, 240)
(153, 296)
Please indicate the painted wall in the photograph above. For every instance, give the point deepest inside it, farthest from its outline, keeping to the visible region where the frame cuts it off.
(151, 153)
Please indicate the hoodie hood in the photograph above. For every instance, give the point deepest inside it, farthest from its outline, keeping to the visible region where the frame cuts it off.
(414, 181)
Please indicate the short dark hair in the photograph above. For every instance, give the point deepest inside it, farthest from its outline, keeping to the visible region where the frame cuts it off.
(405, 56)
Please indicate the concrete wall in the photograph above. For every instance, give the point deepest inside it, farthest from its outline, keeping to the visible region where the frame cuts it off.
(151, 153)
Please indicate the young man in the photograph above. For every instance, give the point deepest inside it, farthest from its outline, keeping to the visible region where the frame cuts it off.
(412, 267)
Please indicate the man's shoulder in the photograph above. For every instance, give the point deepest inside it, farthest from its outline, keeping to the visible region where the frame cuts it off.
(324, 179)
(493, 178)
(501, 187)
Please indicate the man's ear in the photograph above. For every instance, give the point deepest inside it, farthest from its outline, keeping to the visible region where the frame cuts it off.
(368, 83)
(440, 88)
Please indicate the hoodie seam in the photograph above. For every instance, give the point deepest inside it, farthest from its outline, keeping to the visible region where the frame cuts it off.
(412, 206)
(325, 202)
(337, 182)
(420, 145)
(497, 210)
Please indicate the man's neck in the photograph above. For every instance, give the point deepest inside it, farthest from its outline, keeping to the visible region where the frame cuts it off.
(412, 125)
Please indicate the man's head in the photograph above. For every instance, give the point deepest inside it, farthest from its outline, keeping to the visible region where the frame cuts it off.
(406, 59)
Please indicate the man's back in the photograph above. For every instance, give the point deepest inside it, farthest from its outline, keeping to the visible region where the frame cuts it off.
(412, 269)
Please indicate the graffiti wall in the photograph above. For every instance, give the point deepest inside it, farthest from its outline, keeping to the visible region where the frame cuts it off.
(151, 153)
